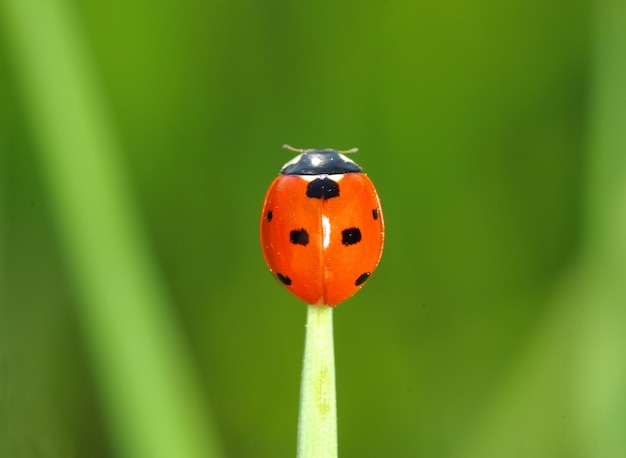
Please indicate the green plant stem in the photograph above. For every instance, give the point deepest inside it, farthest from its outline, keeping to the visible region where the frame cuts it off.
(317, 425)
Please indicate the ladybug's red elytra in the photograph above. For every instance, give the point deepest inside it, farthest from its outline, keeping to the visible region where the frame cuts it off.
(322, 227)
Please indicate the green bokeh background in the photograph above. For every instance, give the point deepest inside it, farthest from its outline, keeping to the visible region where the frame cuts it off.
(494, 325)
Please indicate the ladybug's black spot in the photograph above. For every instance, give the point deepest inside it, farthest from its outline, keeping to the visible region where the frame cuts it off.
(322, 188)
(351, 236)
(374, 213)
(269, 215)
(287, 281)
(362, 278)
(299, 237)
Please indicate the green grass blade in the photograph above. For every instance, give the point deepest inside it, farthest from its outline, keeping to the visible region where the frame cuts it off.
(600, 381)
(150, 393)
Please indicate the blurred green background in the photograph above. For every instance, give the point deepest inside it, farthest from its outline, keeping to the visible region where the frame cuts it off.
(138, 139)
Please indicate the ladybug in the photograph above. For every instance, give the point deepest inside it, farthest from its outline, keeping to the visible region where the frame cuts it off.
(322, 228)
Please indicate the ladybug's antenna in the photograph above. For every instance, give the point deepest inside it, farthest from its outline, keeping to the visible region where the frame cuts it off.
(297, 150)
(291, 148)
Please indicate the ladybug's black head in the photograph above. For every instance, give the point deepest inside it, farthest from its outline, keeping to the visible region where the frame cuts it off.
(320, 162)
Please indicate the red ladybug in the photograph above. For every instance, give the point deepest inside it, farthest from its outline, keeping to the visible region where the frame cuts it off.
(322, 227)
